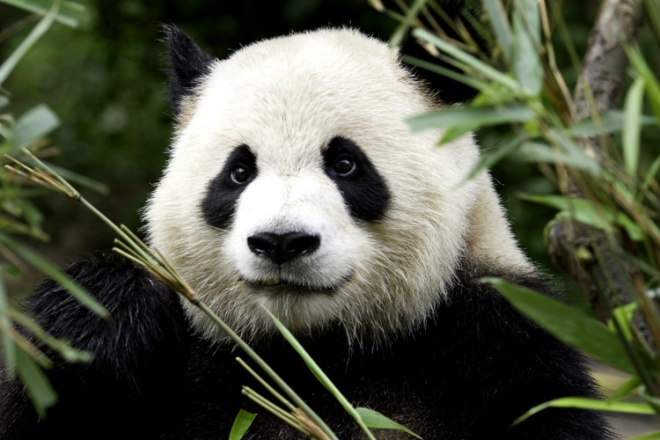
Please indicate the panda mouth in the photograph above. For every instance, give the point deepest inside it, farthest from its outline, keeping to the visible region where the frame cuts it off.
(279, 283)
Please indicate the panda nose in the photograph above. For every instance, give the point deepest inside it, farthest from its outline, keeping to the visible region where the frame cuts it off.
(283, 247)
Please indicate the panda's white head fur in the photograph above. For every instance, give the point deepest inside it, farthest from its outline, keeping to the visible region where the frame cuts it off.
(294, 184)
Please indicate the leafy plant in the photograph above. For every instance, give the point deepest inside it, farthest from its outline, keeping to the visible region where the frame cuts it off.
(597, 157)
(19, 217)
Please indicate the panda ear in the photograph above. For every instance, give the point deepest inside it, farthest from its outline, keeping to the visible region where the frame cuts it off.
(188, 64)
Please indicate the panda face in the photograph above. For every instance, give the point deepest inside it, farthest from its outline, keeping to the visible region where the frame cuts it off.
(295, 186)
(294, 231)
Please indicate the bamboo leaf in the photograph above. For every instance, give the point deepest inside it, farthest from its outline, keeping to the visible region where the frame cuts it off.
(585, 403)
(374, 419)
(567, 324)
(652, 13)
(464, 57)
(576, 159)
(586, 211)
(34, 124)
(632, 126)
(608, 122)
(650, 436)
(8, 345)
(626, 388)
(39, 30)
(403, 27)
(500, 24)
(650, 81)
(489, 158)
(70, 13)
(475, 83)
(561, 140)
(471, 117)
(80, 179)
(526, 33)
(38, 387)
(241, 424)
(623, 315)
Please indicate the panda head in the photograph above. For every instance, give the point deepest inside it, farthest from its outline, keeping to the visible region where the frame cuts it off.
(294, 185)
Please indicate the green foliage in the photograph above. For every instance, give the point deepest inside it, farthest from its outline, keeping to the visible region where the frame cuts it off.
(524, 96)
(241, 424)
(20, 217)
(569, 325)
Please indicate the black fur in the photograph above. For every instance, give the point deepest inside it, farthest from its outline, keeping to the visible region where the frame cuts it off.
(364, 190)
(188, 64)
(222, 194)
(474, 367)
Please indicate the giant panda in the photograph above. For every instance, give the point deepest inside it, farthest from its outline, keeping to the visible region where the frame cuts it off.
(294, 185)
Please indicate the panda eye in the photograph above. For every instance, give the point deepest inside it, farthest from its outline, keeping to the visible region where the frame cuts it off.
(240, 175)
(344, 166)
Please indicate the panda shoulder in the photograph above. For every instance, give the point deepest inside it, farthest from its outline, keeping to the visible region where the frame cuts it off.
(143, 311)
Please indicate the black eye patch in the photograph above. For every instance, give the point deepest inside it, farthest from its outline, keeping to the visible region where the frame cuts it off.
(220, 202)
(364, 190)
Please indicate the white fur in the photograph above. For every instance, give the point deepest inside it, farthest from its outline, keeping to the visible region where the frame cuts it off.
(286, 98)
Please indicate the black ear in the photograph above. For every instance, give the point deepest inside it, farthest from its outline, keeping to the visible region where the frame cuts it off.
(188, 64)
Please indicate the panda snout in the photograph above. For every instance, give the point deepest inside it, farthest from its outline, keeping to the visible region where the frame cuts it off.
(281, 248)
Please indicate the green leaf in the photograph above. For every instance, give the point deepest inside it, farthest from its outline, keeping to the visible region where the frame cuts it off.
(500, 25)
(567, 145)
(80, 179)
(610, 121)
(526, 61)
(475, 83)
(652, 15)
(650, 81)
(585, 403)
(632, 126)
(58, 276)
(650, 436)
(8, 346)
(464, 57)
(38, 387)
(502, 149)
(36, 123)
(3, 101)
(567, 324)
(401, 30)
(69, 14)
(471, 117)
(574, 158)
(374, 419)
(10, 63)
(586, 211)
(623, 315)
(626, 388)
(241, 424)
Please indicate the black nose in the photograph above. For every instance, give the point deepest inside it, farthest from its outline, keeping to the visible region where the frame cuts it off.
(283, 247)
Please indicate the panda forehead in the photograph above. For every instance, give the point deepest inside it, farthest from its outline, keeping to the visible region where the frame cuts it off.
(321, 79)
